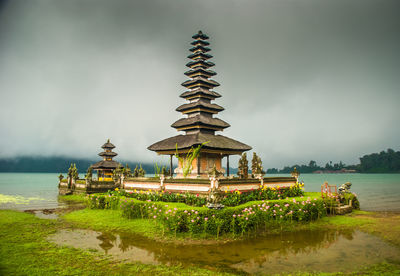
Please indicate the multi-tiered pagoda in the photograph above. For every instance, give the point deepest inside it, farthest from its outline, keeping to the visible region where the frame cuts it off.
(200, 125)
(107, 165)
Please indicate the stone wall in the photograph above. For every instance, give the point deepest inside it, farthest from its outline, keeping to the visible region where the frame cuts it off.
(174, 185)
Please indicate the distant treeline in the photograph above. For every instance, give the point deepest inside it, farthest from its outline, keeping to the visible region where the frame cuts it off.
(55, 164)
(383, 162)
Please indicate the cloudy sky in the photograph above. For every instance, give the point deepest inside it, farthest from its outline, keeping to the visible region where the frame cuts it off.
(300, 79)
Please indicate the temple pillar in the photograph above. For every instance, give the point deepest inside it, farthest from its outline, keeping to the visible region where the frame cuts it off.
(170, 165)
(227, 165)
(198, 165)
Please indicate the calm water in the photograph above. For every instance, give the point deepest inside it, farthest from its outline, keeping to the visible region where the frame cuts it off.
(376, 192)
(325, 251)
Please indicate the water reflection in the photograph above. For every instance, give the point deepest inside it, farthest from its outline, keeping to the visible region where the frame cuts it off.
(303, 250)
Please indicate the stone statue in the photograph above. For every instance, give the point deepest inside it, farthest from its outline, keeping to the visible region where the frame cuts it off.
(344, 188)
(215, 195)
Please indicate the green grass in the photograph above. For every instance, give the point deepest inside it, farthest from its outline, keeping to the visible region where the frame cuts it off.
(111, 220)
(73, 198)
(24, 250)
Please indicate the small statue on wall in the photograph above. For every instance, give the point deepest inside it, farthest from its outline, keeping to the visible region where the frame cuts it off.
(344, 188)
(256, 166)
(243, 168)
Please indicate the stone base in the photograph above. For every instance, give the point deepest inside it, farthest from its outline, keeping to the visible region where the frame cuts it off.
(216, 206)
(341, 210)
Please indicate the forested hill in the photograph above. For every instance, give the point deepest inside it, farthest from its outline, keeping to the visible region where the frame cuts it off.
(383, 162)
(54, 164)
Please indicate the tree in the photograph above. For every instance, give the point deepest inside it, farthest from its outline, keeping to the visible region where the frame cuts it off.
(187, 162)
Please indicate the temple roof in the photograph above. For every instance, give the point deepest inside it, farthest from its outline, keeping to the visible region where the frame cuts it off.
(200, 91)
(200, 81)
(108, 153)
(201, 71)
(199, 55)
(200, 125)
(215, 142)
(200, 35)
(200, 120)
(199, 48)
(200, 103)
(200, 63)
(109, 164)
(108, 145)
(200, 42)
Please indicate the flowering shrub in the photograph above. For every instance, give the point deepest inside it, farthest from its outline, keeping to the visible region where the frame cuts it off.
(234, 198)
(236, 220)
(187, 198)
(102, 201)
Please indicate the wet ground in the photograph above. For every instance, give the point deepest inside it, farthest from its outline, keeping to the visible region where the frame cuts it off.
(327, 251)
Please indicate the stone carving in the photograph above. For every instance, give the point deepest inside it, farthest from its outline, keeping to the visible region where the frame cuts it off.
(213, 172)
(256, 166)
(295, 173)
(243, 168)
(344, 188)
(215, 195)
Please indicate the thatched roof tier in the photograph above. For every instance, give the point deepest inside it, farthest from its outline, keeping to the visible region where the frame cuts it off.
(216, 143)
(200, 35)
(199, 55)
(200, 43)
(199, 48)
(200, 104)
(200, 82)
(108, 153)
(200, 63)
(200, 121)
(200, 72)
(108, 145)
(196, 93)
(106, 165)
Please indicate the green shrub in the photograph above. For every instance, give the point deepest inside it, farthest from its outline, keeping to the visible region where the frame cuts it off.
(235, 220)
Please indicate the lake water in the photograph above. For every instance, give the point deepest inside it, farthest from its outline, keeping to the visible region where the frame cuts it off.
(376, 192)
(307, 251)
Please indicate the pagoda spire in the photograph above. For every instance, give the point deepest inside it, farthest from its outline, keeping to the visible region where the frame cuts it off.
(200, 93)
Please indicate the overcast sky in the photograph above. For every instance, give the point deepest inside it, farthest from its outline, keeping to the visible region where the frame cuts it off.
(300, 79)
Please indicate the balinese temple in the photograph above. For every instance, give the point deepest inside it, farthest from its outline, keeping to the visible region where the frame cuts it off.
(199, 123)
(107, 165)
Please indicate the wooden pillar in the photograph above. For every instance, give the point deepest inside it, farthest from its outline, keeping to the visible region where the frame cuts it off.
(198, 165)
(227, 165)
(170, 166)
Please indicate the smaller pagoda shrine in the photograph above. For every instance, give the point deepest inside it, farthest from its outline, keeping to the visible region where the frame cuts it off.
(105, 167)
